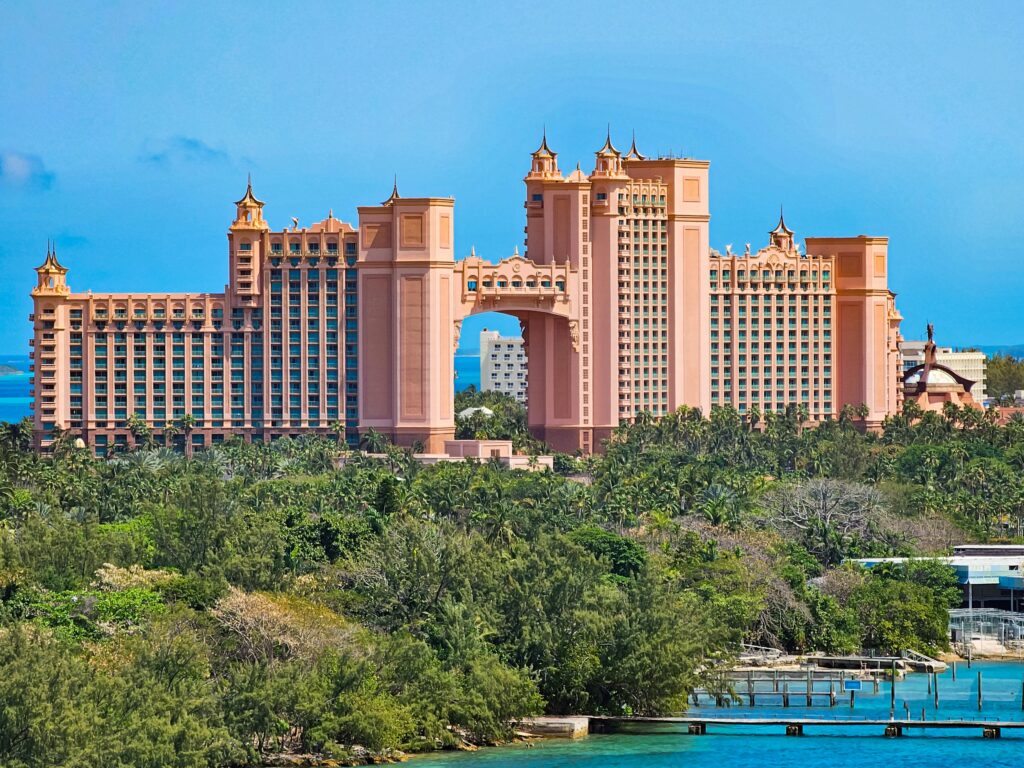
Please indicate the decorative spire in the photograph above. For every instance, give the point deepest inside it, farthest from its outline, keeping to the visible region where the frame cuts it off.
(51, 275)
(249, 198)
(782, 236)
(50, 263)
(781, 228)
(543, 149)
(634, 153)
(394, 193)
(608, 148)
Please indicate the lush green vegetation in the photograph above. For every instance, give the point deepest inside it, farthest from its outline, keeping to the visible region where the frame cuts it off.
(1004, 375)
(157, 610)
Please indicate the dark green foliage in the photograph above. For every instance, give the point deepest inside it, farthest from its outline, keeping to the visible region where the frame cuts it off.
(163, 611)
(1004, 375)
(626, 556)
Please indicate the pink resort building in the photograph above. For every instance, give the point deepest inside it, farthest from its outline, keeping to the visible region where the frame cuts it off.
(334, 328)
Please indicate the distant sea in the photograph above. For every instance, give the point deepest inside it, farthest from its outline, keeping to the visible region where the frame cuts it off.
(467, 371)
(14, 399)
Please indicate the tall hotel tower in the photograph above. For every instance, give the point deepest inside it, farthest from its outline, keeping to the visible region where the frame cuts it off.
(623, 304)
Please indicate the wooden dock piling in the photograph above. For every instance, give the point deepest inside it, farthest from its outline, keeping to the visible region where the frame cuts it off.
(892, 689)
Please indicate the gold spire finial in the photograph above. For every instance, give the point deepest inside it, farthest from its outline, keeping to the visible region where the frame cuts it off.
(394, 193)
(544, 149)
(634, 153)
(249, 198)
(608, 148)
(781, 228)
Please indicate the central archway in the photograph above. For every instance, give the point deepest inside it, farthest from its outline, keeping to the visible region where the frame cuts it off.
(544, 300)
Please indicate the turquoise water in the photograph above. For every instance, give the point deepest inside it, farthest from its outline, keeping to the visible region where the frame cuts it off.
(752, 746)
(14, 399)
(467, 371)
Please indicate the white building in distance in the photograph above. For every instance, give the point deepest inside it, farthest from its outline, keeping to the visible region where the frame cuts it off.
(970, 365)
(502, 364)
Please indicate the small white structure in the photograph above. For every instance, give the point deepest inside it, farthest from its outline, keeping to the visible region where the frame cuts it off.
(465, 413)
(503, 364)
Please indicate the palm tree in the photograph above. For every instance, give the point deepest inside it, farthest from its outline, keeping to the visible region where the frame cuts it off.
(754, 417)
(912, 410)
(188, 424)
(170, 432)
(142, 435)
(374, 441)
(338, 428)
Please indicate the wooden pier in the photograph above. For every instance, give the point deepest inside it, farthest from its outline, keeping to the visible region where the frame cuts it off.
(805, 687)
(698, 726)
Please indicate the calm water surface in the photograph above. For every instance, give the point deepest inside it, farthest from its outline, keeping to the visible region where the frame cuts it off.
(832, 748)
(14, 397)
(467, 371)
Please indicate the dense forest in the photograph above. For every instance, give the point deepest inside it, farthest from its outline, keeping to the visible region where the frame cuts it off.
(212, 610)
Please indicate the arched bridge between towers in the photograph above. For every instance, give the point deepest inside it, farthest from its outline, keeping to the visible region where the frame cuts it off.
(546, 299)
(515, 286)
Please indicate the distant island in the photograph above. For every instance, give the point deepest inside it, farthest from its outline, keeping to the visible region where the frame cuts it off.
(6, 370)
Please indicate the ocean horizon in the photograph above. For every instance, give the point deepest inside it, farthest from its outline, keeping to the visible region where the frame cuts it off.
(14, 389)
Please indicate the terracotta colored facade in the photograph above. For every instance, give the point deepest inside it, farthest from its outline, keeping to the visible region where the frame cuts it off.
(817, 329)
(623, 304)
(931, 384)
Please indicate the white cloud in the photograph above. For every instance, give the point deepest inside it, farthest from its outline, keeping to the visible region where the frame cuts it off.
(18, 169)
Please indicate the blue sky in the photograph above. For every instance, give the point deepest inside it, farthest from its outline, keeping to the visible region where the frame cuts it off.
(128, 129)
